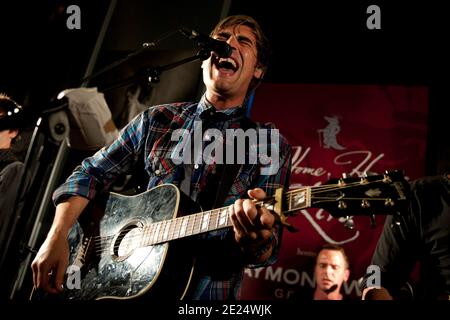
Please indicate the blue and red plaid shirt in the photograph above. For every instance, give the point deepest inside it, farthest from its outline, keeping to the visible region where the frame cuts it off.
(149, 136)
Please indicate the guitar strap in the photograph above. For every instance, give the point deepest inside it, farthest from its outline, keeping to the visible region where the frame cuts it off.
(185, 185)
(227, 176)
(229, 173)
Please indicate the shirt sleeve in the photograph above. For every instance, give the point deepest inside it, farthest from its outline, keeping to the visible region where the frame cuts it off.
(98, 172)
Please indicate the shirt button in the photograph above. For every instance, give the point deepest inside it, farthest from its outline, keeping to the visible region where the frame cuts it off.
(196, 166)
(157, 172)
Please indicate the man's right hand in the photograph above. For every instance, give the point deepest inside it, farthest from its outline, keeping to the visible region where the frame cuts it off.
(378, 293)
(49, 265)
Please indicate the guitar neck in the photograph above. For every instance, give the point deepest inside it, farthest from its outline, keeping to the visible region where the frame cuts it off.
(384, 194)
(215, 219)
(187, 226)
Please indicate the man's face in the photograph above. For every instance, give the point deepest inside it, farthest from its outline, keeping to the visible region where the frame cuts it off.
(230, 77)
(330, 270)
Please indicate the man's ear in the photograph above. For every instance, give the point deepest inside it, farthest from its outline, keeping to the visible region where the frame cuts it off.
(346, 274)
(12, 133)
(259, 72)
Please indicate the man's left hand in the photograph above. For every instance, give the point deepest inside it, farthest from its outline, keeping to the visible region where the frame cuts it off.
(253, 227)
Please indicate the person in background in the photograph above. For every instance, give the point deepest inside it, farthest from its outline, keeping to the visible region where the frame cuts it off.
(331, 271)
(11, 169)
(420, 235)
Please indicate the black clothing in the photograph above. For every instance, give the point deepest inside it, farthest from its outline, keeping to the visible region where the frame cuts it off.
(422, 236)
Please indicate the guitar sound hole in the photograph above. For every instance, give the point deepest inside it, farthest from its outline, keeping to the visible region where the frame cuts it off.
(127, 241)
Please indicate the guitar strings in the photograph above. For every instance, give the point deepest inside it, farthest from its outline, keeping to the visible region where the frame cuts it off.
(101, 242)
(146, 232)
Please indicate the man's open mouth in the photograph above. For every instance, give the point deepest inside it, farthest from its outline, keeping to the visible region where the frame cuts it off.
(227, 65)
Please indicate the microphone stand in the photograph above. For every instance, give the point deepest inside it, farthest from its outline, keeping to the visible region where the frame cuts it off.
(154, 73)
(145, 47)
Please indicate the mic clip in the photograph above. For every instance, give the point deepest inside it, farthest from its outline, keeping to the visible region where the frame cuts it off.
(203, 54)
(206, 43)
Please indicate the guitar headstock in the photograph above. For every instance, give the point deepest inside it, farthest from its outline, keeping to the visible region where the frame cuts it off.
(378, 194)
(353, 196)
(346, 197)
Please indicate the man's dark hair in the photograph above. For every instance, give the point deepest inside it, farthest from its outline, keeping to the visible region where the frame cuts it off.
(335, 247)
(10, 113)
(262, 43)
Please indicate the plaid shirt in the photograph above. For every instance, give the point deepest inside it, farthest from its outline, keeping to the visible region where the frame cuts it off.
(149, 136)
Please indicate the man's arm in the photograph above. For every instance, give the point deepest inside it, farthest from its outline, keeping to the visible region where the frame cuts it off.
(376, 294)
(95, 174)
(51, 261)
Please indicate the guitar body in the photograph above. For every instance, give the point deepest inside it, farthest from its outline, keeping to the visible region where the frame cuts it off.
(107, 257)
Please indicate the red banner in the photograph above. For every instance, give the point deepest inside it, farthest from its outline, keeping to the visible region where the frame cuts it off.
(336, 129)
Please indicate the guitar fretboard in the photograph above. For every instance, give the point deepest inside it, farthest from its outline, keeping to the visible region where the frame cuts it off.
(186, 226)
(214, 219)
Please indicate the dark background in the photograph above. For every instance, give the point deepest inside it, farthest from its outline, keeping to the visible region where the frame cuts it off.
(312, 42)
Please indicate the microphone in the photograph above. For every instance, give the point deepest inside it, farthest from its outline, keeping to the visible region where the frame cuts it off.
(221, 48)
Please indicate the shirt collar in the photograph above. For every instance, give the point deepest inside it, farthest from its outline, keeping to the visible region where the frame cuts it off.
(204, 107)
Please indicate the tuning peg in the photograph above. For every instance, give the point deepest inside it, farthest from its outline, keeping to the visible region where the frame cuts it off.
(386, 177)
(349, 223)
(365, 204)
(363, 177)
(342, 205)
(389, 202)
(373, 223)
(341, 182)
